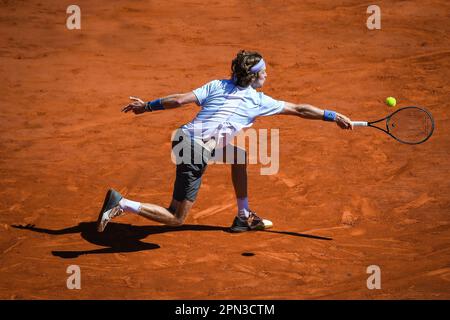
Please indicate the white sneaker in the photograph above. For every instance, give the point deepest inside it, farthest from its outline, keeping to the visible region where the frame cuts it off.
(108, 216)
(253, 222)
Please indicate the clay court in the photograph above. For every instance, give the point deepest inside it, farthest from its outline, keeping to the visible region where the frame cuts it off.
(341, 201)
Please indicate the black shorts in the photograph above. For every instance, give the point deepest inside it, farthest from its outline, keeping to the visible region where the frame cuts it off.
(192, 159)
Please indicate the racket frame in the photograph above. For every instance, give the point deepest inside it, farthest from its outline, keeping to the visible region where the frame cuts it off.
(387, 119)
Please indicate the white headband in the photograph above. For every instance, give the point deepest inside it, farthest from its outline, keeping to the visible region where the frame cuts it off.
(258, 67)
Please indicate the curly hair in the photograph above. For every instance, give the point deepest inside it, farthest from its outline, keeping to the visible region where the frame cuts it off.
(241, 65)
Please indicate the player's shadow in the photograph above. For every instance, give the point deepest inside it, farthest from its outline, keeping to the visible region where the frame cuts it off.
(119, 237)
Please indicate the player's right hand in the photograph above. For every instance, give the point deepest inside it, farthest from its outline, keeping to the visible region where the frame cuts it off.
(343, 122)
(137, 106)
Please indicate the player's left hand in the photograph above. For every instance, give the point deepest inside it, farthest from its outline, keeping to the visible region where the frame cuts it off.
(137, 106)
(343, 122)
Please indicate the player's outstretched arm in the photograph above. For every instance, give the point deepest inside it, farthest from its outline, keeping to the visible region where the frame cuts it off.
(307, 111)
(173, 101)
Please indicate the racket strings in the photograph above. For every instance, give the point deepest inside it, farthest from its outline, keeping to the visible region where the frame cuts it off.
(412, 125)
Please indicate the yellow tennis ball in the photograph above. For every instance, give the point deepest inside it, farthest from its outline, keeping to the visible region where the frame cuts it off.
(390, 101)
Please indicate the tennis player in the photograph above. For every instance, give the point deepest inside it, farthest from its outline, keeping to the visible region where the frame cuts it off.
(227, 107)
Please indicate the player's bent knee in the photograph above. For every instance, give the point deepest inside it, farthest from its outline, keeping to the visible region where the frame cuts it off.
(177, 223)
(181, 213)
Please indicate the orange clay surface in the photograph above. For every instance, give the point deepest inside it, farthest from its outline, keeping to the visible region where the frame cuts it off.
(341, 201)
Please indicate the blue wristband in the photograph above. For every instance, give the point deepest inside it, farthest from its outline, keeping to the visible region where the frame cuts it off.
(329, 115)
(154, 105)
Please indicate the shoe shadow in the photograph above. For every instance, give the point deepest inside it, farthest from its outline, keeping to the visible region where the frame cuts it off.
(119, 237)
(289, 233)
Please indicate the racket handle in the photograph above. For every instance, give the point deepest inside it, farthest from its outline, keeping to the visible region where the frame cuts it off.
(359, 123)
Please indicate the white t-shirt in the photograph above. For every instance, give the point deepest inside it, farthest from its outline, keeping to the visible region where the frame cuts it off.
(227, 109)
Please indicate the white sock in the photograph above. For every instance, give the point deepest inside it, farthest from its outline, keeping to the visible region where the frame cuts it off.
(243, 214)
(242, 203)
(128, 205)
(243, 208)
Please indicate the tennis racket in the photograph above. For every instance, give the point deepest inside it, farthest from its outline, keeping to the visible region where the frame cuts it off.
(410, 125)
